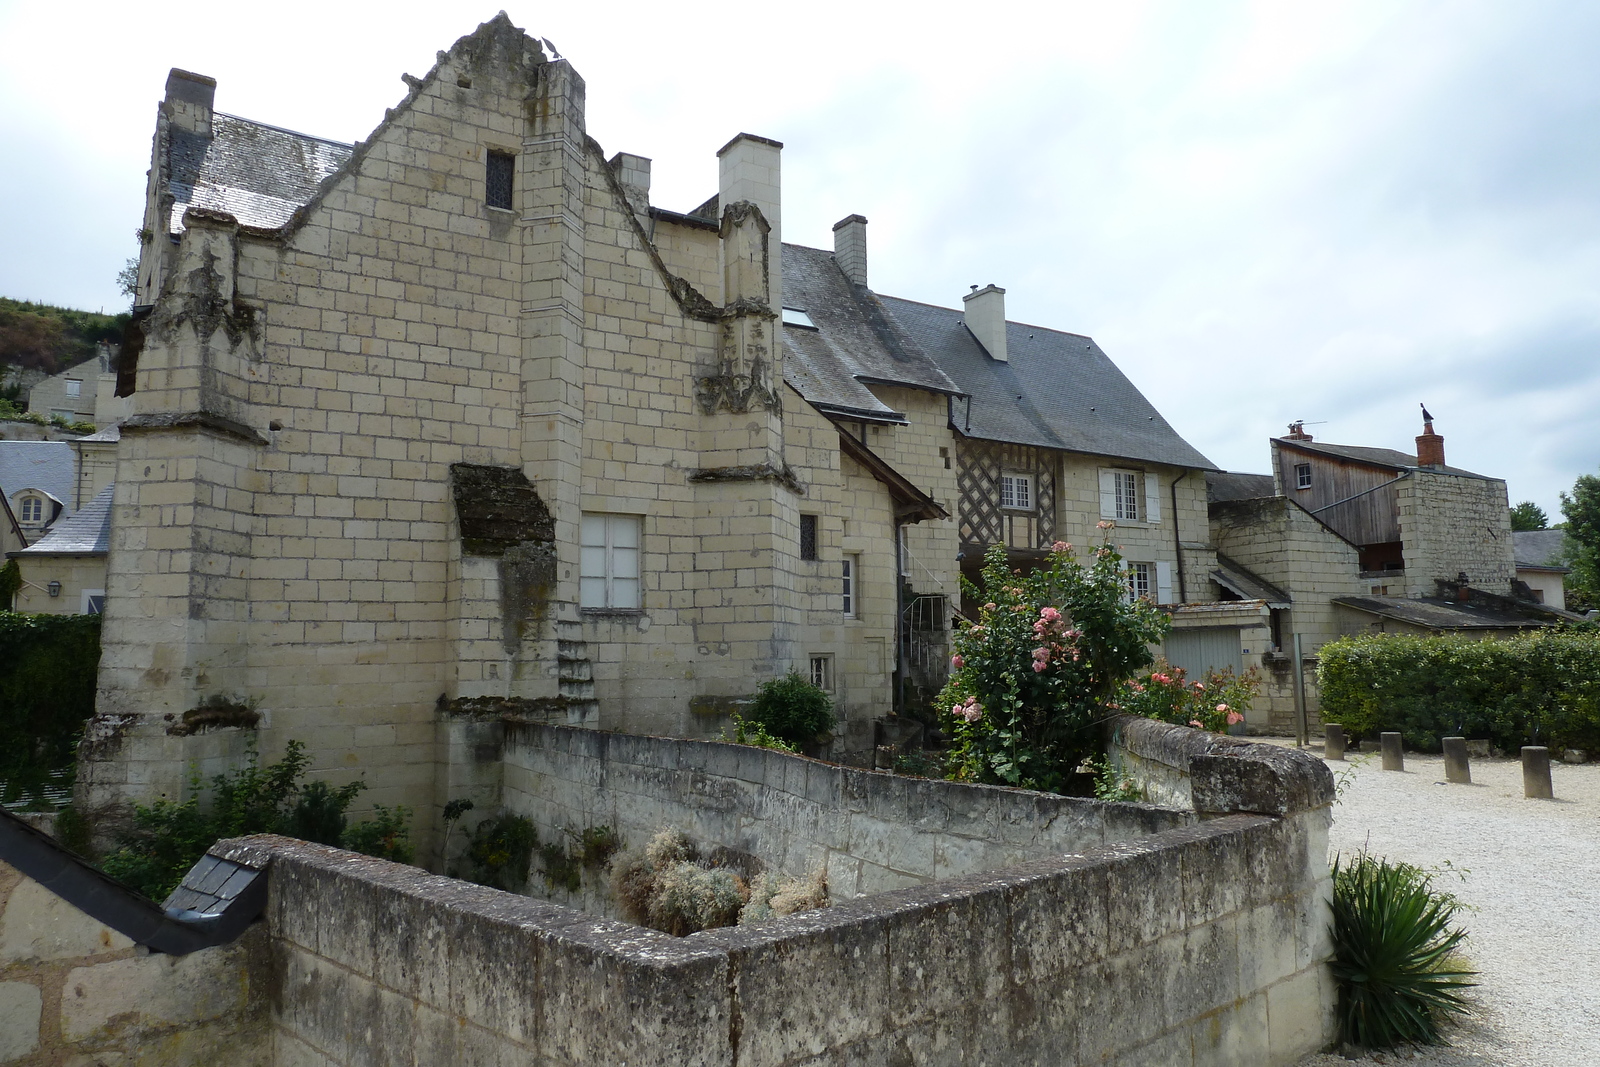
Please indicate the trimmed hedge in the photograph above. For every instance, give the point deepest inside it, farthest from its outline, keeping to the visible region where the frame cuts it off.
(47, 683)
(1543, 688)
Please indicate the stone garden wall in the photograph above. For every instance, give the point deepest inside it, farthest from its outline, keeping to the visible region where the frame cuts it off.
(74, 992)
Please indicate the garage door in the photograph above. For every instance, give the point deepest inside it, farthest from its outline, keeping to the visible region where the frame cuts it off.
(1198, 651)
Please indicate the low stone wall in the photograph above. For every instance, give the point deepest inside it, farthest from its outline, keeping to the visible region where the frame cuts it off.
(870, 831)
(75, 992)
(1109, 933)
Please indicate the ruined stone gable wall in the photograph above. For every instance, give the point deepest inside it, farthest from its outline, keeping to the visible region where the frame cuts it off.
(1450, 524)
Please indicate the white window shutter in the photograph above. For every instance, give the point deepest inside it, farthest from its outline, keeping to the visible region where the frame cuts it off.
(1108, 494)
(1152, 499)
(1163, 582)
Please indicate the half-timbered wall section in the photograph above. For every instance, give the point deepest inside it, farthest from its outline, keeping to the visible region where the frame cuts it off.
(991, 514)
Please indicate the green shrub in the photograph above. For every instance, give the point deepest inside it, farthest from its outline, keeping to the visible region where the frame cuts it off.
(168, 837)
(754, 734)
(500, 852)
(1394, 954)
(1033, 676)
(792, 710)
(47, 682)
(1543, 688)
(1213, 703)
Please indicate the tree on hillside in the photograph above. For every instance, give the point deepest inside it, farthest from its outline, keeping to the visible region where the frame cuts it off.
(28, 339)
(1529, 516)
(1582, 510)
(128, 277)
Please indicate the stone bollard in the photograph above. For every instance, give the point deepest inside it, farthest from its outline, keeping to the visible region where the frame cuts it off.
(1393, 758)
(1456, 767)
(1536, 773)
(1332, 741)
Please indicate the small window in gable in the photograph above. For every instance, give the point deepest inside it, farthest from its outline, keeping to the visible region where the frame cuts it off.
(808, 537)
(502, 166)
(1016, 491)
(1302, 476)
(74, 387)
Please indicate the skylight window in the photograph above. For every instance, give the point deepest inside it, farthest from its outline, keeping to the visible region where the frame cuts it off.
(797, 317)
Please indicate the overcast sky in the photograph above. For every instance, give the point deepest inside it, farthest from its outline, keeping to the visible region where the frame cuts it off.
(1262, 212)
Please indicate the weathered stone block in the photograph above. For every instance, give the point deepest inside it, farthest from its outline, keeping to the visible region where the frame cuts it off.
(20, 1007)
(146, 993)
(38, 925)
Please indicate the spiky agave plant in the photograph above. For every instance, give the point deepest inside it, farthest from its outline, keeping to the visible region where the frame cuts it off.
(1394, 954)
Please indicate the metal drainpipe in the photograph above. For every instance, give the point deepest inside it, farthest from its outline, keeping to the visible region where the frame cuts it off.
(1177, 540)
(896, 693)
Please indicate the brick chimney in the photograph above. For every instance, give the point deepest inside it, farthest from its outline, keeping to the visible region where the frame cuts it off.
(1430, 446)
(850, 248)
(189, 99)
(986, 318)
(1297, 431)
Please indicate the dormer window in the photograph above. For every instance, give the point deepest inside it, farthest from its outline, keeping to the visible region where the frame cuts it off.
(797, 317)
(31, 510)
(1302, 476)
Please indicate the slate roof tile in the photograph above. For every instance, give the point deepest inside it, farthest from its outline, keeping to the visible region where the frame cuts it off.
(257, 173)
(87, 533)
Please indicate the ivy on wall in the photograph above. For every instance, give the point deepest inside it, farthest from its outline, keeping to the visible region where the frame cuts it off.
(47, 684)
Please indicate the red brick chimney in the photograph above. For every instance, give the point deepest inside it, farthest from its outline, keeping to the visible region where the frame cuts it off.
(1297, 431)
(1430, 446)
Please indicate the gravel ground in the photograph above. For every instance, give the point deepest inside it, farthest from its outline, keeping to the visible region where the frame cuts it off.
(1532, 872)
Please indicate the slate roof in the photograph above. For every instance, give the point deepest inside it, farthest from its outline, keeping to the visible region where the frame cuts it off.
(1378, 457)
(1540, 548)
(1435, 614)
(1058, 390)
(87, 533)
(1232, 485)
(854, 342)
(46, 465)
(1247, 584)
(257, 173)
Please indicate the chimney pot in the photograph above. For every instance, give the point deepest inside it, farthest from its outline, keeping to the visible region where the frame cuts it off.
(850, 248)
(1297, 431)
(1430, 446)
(986, 319)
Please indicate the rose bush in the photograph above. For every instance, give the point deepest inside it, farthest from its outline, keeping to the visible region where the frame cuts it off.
(1032, 677)
(1214, 703)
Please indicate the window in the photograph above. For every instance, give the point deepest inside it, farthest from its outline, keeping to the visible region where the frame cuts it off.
(822, 672)
(94, 602)
(852, 585)
(1016, 491)
(1125, 486)
(797, 317)
(608, 575)
(32, 509)
(502, 165)
(1302, 476)
(1138, 581)
(808, 537)
(74, 387)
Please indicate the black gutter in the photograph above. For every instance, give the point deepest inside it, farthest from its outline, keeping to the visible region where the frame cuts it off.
(108, 901)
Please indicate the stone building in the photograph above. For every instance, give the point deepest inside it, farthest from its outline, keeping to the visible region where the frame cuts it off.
(1346, 539)
(1542, 564)
(85, 392)
(62, 561)
(455, 419)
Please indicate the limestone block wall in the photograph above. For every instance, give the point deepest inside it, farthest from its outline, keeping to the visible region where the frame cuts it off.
(75, 992)
(1453, 523)
(1079, 512)
(1200, 944)
(870, 831)
(76, 575)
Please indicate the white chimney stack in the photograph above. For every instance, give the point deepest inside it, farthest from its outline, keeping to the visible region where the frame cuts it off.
(751, 169)
(986, 319)
(850, 248)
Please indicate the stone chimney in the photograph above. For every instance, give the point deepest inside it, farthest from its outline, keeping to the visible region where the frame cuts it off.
(1430, 446)
(633, 174)
(1297, 431)
(986, 318)
(189, 99)
(850, 248)
(750, 168)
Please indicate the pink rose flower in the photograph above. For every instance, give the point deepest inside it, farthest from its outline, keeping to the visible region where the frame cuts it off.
(1038, 665)
(1234, 717)
(956, 662)
(1197, 723)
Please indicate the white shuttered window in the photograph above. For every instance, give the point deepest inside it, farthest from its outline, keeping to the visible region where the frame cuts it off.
(608, 575)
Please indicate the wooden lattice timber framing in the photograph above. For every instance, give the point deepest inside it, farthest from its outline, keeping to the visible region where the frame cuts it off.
(984, 522)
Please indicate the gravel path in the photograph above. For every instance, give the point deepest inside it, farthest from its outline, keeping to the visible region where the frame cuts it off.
(1534, 879)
